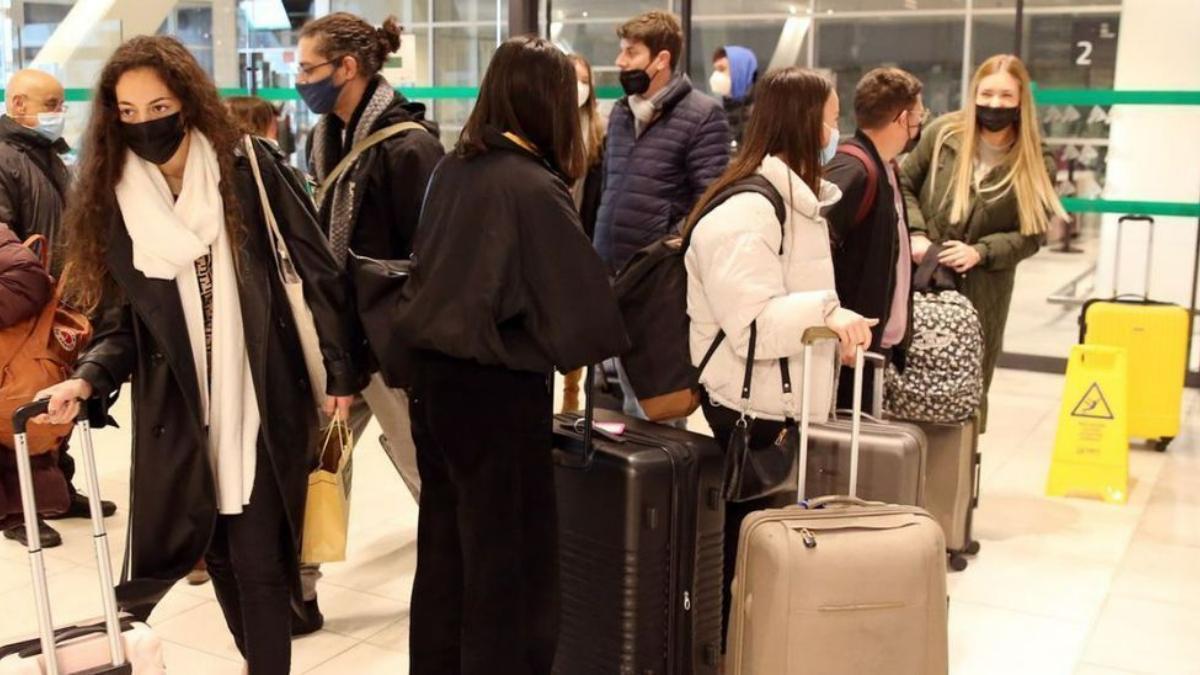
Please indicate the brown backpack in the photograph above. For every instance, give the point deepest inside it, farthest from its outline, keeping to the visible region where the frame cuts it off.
(36, 353)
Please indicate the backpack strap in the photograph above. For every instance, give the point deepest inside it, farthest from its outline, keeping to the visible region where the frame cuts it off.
(359, 148)
(757, 184)
(868, 201)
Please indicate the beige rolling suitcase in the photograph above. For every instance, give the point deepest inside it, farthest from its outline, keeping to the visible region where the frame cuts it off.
(837, 585)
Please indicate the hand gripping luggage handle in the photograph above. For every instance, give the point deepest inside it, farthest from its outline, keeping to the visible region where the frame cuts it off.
(21, 419)
(811, 337)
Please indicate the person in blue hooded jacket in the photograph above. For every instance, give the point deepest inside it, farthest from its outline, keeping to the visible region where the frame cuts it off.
(735, 70)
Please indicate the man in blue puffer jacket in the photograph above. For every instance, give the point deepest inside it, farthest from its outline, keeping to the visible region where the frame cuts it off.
(666, 142)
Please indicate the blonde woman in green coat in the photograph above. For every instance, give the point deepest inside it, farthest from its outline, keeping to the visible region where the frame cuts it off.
(979, 184)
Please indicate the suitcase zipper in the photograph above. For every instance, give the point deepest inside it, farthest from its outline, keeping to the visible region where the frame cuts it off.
(810, 540)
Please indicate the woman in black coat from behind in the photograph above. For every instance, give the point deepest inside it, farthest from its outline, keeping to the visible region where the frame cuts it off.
(505, 289)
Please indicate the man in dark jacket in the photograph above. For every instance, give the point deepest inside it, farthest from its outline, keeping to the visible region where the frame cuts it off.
(871, 256)
(33, 191)
(666, 142)
(33, 179)
(373, 206)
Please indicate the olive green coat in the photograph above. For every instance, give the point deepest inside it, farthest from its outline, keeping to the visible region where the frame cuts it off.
(991, 226)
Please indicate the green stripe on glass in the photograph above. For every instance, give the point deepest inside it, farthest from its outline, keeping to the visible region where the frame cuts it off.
(1102, 97)
(1106, 97)
(1185, 209)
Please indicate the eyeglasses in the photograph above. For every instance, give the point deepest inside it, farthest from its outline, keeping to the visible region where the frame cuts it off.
(305, 72)
(924, 117)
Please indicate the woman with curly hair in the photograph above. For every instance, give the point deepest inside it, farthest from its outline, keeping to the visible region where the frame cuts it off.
(169, 251)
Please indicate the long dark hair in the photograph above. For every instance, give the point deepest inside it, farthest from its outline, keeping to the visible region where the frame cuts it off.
(529, 89)
(789, 114)
(93, 207)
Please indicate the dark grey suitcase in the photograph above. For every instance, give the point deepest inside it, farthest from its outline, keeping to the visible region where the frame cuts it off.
(892, 459)
(641, 533)
(952, 484)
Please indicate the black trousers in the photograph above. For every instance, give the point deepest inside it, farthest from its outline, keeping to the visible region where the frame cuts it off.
(485, 597)
(248, 562)
(762, 433)
(66, 464)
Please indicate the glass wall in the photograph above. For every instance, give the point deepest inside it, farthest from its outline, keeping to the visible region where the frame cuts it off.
(447, 45)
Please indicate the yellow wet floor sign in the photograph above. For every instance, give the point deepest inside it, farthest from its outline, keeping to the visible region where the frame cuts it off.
(1091, 450)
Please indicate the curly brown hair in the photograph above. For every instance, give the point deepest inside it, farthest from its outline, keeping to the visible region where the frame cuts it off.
(93, 210)
(345, 34)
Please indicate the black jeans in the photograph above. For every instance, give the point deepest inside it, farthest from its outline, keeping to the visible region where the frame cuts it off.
(248, 562)
(762, 433)
(485, 598)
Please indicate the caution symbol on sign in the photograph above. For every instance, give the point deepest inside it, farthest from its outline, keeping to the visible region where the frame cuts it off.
(1093, 405)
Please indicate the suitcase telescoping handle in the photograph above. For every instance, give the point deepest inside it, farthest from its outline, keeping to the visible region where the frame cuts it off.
(37, 565)
(1149, 252)
(810, 338)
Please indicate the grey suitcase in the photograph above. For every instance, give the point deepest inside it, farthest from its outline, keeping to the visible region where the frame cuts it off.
(839, 586)
(893, 458)
(952, 484)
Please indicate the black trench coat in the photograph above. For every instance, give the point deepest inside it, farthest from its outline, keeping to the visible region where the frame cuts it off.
(141, 336)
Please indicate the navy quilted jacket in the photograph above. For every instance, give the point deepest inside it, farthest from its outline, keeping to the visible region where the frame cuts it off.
(651, 183)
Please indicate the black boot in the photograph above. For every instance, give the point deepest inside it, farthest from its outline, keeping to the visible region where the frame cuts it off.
(310, 622)
(48, 535)
(81, 508)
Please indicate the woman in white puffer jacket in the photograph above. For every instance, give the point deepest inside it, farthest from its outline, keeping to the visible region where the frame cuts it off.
(744, 268)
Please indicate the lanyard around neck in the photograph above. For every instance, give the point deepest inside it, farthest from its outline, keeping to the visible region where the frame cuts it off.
(522, 142)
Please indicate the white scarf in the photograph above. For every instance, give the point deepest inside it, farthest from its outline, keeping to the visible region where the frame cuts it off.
(168, 237)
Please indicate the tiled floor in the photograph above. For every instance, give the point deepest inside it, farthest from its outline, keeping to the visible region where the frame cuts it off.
(1061, 587)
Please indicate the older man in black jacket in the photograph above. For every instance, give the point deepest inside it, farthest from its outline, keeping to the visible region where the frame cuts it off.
(868, 226)
(33, 179)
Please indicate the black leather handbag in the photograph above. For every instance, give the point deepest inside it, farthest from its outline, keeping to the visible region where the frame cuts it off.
(753, 473)
(377, 288)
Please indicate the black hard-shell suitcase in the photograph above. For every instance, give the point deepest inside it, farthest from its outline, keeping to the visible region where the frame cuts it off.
(641, 532)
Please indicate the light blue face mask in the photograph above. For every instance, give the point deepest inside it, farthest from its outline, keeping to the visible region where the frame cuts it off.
(830, 149)
(51, 124)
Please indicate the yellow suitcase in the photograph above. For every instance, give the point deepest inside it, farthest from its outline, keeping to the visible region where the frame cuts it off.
(1155, 335)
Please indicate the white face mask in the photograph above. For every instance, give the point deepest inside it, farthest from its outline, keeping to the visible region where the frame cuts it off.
(51, 124)
(720, 83)
(585, 91)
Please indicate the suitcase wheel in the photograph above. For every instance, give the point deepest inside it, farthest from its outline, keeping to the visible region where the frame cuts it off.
(957, 562)
(1162, 443)
(972, 548)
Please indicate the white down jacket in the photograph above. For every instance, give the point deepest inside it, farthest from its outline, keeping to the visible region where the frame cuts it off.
(737, 276)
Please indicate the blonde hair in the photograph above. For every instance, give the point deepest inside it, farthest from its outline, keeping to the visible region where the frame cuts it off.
(595, 121)
(1037, 200)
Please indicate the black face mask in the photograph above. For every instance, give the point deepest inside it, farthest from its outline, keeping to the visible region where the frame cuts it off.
(996, 119)
(912, 142)
(635, 82)
(157, 140)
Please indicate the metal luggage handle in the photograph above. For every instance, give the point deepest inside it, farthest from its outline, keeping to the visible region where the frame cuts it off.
(41, 592)
(811, 336)
(839, 500)
(1149, 252)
